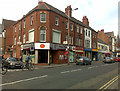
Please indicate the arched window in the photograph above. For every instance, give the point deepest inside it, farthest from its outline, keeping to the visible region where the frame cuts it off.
(43, 34)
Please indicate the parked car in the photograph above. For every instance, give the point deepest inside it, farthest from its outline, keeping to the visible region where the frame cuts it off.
(108, 60)
(117, 59)
(13, 62)
(83, 60)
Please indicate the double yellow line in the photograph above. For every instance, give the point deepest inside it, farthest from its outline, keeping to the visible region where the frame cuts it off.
(108, 84)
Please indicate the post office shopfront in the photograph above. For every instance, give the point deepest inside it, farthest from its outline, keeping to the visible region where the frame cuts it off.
(52, 53)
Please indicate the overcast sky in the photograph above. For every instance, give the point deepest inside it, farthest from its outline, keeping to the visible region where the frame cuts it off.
(102, 14)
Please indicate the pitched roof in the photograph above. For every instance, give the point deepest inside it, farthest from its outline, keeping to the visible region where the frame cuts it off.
(7, 23)
(101, 41)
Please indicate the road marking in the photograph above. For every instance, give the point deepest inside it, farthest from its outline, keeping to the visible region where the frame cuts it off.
(23, 80)
(65, 72)
(105, 86)
(90, 67)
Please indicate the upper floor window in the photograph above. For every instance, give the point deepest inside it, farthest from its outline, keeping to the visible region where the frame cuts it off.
(15, 41)
(31, 35)
(77, 29)
(19, 27)
(31, 20)
(56, 36)
(43, 17)
(56, 20)
(19, 38)
(66, 24)
(71, 27)
(42, 34)
(24, 38)
(89, 33)
(15, 29)
(81, 30)
(86, 32)
(24, 23)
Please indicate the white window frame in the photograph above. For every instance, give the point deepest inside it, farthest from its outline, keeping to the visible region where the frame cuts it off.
(42, 34)
(24, 38)
(71, 27)
(19, 38)
(66, 25)
(24, 23)
(77, 29)
(81, 31)
(56, 20)
(43, 18)
(31, 21)
(15, 41)
(59, 40)
(31, 31)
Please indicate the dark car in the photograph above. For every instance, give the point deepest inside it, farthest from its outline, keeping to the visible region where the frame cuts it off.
(108, 60)
(117, 59)
(83, 60)
(13, 63)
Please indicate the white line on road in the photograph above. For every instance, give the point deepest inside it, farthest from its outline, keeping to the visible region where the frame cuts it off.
(90, 67)
(23, 80)
(65, 72)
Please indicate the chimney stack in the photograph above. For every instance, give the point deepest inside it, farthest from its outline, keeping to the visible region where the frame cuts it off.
(40, 1)
(85, 20)
(68, 9)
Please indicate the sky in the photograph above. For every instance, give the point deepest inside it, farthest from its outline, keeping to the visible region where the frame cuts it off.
(102, 14)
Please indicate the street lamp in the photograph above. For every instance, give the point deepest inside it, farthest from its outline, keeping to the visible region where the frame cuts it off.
(69, 32)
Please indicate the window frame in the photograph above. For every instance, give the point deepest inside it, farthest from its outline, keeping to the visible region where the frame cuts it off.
(24, 23)
(42, 34)
(24, 38)
(56, 20)
(78, 29)
(31, 23)
(42, 17)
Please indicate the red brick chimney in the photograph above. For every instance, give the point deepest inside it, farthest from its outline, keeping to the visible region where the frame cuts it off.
(85, 20)
(40, 1)
(68, 9)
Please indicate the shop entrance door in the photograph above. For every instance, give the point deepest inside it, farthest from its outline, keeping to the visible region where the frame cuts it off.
(43, 56)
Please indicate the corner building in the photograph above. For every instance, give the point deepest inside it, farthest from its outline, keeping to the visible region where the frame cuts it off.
(43, 33)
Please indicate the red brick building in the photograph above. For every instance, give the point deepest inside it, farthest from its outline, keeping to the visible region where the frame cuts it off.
(7, 35)
(43, 33)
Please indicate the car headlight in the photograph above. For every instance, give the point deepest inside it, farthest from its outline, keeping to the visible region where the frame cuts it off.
(11, 63)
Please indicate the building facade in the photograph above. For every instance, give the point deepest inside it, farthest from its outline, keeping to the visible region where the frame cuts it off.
(42, 33)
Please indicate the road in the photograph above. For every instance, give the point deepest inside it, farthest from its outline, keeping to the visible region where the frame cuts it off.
(95, 76)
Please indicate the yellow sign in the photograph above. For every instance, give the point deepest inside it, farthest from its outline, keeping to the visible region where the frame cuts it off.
(95, 50)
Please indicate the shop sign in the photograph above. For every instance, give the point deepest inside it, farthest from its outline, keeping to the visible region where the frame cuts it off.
(42, 45)
(73, 48)
(88, 49)
(26, 46)
(21, 47)
(58, 47)
(96, 50)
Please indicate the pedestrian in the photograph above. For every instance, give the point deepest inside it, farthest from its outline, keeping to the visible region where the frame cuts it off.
(21, 59)
(27, 60)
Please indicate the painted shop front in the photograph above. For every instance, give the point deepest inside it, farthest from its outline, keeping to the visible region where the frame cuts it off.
(50, 53)
(28, 49)
(95, 54)
(88, 52)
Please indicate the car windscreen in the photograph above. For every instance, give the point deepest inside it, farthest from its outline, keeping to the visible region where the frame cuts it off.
(107, 57)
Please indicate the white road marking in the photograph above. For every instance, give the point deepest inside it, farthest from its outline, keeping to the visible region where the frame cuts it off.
(23, 80)
(90, 67)
(65, 72)
(74, 70)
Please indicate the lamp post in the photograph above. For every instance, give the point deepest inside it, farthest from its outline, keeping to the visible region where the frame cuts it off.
(69, 32)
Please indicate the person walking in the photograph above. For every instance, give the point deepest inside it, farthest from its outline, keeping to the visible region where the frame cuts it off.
(27, 60)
